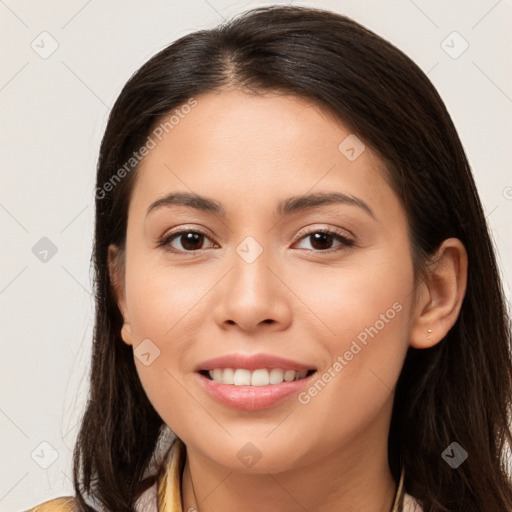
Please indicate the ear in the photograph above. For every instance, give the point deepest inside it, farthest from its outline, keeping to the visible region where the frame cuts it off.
(116, 269)
(440, 297)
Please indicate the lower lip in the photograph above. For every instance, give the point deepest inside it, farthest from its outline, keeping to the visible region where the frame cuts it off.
(252, 398)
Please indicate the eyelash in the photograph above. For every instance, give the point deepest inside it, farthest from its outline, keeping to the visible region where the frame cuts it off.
(346, 242)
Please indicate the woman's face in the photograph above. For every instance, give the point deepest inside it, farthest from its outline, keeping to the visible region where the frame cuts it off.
(254, 280)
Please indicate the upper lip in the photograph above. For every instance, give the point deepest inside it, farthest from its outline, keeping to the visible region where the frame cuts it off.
(252, 362)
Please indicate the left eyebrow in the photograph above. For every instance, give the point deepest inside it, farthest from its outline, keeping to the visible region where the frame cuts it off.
(286, 207)
(298, 203)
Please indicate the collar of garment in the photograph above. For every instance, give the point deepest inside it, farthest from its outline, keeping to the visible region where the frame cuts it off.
(169, 485)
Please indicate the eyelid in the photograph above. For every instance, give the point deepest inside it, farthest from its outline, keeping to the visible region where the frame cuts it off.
(165, 239)
(185, 228)
(346, 237)
(325, 228)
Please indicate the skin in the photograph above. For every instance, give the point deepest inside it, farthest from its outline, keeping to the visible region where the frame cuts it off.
(248, 153)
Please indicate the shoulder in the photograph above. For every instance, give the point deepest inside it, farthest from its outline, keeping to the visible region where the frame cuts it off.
(63, 504)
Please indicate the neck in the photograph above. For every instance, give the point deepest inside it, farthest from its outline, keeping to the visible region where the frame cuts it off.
(355, 478)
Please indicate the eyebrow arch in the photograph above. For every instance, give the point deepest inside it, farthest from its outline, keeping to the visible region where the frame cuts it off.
(298, 203)
(188, 199)
(286, 207)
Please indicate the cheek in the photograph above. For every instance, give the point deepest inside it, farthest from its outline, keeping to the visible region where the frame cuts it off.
(367, 310)
(350, 394)
(164, 304)
(161, 296)
(366, 298)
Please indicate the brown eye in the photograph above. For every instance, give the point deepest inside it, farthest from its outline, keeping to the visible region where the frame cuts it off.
(186, 241)
(323, 240)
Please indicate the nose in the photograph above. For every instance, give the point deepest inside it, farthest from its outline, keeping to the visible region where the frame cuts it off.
(253, 296)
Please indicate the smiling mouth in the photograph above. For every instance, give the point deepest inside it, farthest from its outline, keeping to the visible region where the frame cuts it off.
(258, 377)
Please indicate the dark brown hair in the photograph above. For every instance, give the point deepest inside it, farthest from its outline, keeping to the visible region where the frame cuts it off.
(459, 390)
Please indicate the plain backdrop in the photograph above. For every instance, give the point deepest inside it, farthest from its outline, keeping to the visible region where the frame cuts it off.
(63, 65)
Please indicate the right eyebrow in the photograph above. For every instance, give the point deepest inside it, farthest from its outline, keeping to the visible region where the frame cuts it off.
(187, 199)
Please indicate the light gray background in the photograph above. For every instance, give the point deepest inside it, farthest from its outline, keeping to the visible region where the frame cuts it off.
(54, 112)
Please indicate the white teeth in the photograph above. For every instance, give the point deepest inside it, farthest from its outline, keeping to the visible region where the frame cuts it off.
(228, 375)
(289, 375)
(259, 377)
(276, 376)
(242, 377)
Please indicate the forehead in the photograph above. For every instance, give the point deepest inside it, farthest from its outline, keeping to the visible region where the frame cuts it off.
(238, 146)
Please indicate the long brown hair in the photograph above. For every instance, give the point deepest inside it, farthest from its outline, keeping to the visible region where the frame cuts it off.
(459, 390)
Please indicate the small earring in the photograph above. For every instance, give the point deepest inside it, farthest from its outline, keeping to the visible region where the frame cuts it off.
(429, 332)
